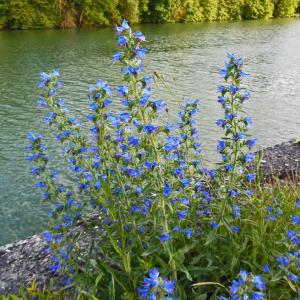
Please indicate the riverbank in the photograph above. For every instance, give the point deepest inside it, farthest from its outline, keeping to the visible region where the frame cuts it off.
(73, 14)
(26, 260)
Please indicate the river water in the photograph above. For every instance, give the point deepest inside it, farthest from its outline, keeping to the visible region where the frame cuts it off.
(187, 55)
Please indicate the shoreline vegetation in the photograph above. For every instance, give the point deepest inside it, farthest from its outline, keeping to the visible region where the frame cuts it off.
(44, 14)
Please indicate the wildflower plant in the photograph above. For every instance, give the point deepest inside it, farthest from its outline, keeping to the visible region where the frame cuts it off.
(159, 211)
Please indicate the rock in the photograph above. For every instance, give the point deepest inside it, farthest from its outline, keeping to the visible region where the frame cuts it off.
(281, 161)
(26, 260)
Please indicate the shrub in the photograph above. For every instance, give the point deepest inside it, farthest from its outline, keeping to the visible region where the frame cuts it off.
(257, 9)
(169, 228)
(285, 8)
(210, 9)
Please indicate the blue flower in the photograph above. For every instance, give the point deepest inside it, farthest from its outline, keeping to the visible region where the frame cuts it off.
(178, 172)
(221, 89)
(123, 27)
(107, 102)
(172, 143)
(182, 214)
(149, 128)
(31, 137)
(133, 141)
(55, 73)
(294, 277)
(295, 220)
(165, 237)
(266, 268)
(249, 122)
(48, 236)
(231, 56)
(258, 295)
(118, 55)
(213, 225)
(42, 102)
(251, 143)
(94, 106)
(144, 100)
(251, 177)
(221, 99)
(125, 102)
(150, 164)
(44, 79)
(122, 40)
(41, 184)
(154, 277)
(160, 105)
(246, 95)
(124, 117)
(148, 79)
(140, 52)
(220, 122)
(228, 168)
(169, 286)
(185, 201)
(239, 136)
(232, 193)
(249, 157)
(283, 260)
(298, 203)
(259, 282)
(167, 190)
(188, 232)
(139, 36)
(235, 228)
(233, 89)
(243, 74)
(221, 145)
(223, 73)
(236, 210)
(122, 90)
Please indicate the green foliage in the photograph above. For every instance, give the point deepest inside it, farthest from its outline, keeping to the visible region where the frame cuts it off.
(193, 11)
(257, 9)
(129, 10)
(4, 13)
(285, 8)
(162, 11)
(23, 14)
(210, 9)
(97, 12)
(230, 10)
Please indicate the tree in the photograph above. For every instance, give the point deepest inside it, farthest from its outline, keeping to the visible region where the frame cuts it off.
(193, 11)
(4, 13)
(285, 8)
(257, 9)
(229, 10)
(129, 10)
(210, 9)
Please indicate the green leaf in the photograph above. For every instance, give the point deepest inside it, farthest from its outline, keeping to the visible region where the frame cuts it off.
(182, 268)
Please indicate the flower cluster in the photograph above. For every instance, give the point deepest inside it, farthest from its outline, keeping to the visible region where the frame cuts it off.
(154, 287)
(236, 139)
(155, 204)
(247, 286)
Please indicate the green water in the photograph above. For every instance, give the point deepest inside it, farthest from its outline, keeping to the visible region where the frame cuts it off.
(188, 55)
